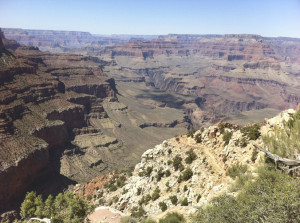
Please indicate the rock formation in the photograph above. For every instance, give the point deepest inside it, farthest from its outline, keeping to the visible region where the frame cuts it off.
(226, 73)
(192, 167)
(61, 122)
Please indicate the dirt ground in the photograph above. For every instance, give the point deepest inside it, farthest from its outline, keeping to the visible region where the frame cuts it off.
(105, 215)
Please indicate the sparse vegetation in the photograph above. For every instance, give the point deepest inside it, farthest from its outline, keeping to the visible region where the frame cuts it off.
(129, 220)
(198, 198)
(236, 170)
(198, 138)
(191, 133)
(155, 194)
(191, 156)
(160, 174)
(272, 197)
(121, 181)
(185, 188)
(163, 207)
(226, 137)
(179, 179)
(184, 202)
(252, 132)
(286, 141)
(167, 173)
(173, 218)
(254, 155)
(146, 172)
(241, 142)
(187, 174)
(177, 162)
(139, 191)
(174, 199)
(113, 188)
(138, 212)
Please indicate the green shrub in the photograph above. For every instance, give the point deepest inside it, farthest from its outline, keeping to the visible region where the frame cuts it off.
(169, 162)
(185, 188)
(167, 173)
(142, 201)
(187, 174)
(163, 207)
(252, 132)
(177, 162)
(285, 142)
(179, 179)
(241, 181)
(236, 170)
(191, 133)
(174, 199)
(139, 191)
(198, 198)
(226, 137)
(198, 138)
(242, 143)
(155, 194)
(145, 199)
(138, 212)
(160, 174)
(221, 126)
(148, 220)
(184, 202)
(173, 218)
(254, 155)
(181, 168)
(272, 197)
(121, 181)
(146, 172)
(129, 220)
(113, 188)
(191, 156)
(169, 151)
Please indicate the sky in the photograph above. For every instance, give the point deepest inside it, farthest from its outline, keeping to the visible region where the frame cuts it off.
(270, 18)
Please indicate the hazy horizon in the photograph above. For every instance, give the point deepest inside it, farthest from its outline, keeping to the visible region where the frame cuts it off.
(262, 17)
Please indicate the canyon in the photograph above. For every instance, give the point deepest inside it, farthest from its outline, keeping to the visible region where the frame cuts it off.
(63, 121)
(74, 105)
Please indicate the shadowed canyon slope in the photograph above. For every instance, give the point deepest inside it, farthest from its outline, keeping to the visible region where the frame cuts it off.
(61, 122)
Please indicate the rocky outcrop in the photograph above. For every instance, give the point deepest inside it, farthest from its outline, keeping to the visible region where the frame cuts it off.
(42, 111)
(191, 168)
(16, 179)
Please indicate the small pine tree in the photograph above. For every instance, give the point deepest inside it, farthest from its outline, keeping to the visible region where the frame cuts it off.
(28, 206)
(49, 207)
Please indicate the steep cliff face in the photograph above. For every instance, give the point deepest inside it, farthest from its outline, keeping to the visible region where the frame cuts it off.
(39, 119)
